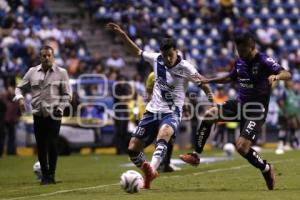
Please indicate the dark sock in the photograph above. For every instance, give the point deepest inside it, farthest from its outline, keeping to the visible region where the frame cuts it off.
(167, 159)
(138, 158)
(202, 135)
(254, 159)
(282, 139)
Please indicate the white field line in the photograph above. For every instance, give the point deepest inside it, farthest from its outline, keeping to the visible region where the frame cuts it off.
(61, 192)
(114, 184)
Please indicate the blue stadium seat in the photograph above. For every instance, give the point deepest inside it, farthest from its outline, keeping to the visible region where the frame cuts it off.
(184, 33)
(256, 24)
(264, 13)
(249, 14)
(194, 42)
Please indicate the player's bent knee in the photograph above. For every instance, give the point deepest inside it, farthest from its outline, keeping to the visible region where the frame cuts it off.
(243, 145)
(210, 115)
(213, 110)
(135, 144)
(242, 148)
(165, 132)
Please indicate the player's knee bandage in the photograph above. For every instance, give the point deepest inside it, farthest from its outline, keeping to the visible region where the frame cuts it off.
(138, 158)
(161, 148)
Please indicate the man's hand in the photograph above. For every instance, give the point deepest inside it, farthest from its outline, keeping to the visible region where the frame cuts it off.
(58, 112)
(129, 44)
(114, 28)
(21, 105)
(273, 78)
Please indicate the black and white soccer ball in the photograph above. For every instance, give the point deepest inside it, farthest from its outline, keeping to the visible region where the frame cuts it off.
(131, 181)
(36, 168)
(229, 149)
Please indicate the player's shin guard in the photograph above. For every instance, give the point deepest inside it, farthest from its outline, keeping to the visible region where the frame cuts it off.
(254, 159)
(138, 158)
(202, 135)
(159, 153)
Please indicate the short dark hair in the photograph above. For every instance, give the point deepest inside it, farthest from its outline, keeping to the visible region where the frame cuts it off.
(47, 47)
(167, 43)
(245, 38)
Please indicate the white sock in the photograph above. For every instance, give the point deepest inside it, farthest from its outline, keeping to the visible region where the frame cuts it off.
(267, 168)
(158, 154)
(155, 162)
(194, 152)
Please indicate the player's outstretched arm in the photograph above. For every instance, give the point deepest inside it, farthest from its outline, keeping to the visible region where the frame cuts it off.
(221, 79)
(282, 75)
(129, 44)
(203, 84)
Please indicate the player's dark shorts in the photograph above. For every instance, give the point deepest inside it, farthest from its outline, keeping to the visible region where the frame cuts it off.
(149, 126)
(251, 117)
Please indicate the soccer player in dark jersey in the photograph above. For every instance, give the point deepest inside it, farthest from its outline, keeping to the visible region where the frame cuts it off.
(254, 72)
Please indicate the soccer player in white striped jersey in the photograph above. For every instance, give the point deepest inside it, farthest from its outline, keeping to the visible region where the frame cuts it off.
(164, 111)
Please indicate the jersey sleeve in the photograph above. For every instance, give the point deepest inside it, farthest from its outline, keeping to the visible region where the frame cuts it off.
(149, 57)
(191, 73)
(233, 74)
(272, 66)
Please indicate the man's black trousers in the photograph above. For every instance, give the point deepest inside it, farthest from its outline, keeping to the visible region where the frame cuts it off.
(46, 131)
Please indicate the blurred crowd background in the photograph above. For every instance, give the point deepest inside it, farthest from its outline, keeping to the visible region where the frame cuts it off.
(203, 29)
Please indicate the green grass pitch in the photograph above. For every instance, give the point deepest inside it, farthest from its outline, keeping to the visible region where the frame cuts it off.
(96, 177)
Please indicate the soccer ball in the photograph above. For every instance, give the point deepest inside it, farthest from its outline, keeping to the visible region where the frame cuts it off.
(229, 149)
(37, 169)
(279, 151)
(131, 181)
